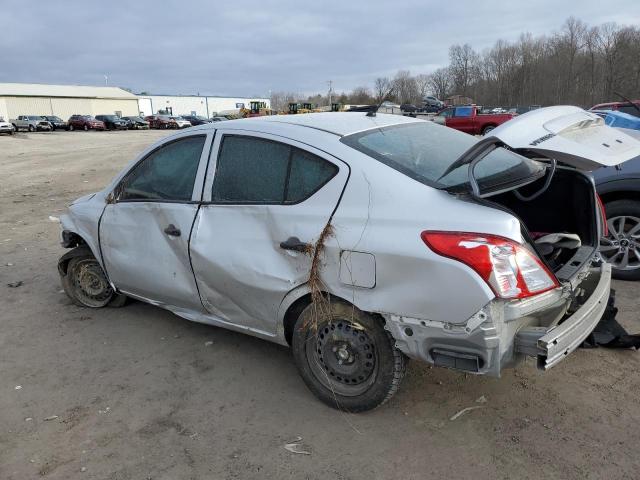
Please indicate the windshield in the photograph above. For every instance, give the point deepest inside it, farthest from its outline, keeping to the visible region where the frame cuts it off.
(111, 118)
(424, 151)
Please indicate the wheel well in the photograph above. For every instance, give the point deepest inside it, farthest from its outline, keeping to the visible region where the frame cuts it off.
(72, 239)
(620, 195)
(296, 308)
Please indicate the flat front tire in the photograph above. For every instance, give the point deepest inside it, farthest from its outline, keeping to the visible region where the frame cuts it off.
(85, 283)
(346, 357)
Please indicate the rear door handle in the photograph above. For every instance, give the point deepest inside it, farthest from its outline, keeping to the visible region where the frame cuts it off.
(172, 230)
(294, 243)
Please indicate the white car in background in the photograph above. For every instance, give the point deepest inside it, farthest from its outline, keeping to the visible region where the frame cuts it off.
(181, 122)
(6, 127)
(361, 240)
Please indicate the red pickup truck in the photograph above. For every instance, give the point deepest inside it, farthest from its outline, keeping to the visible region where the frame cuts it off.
(468, 119)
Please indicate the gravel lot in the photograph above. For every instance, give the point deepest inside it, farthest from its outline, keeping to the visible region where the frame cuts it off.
(139, 393)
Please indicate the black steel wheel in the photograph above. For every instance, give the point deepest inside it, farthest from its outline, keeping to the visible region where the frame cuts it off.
(84, 281)
(346, 357)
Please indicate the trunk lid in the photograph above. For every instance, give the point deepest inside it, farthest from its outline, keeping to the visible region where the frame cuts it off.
(570, 135)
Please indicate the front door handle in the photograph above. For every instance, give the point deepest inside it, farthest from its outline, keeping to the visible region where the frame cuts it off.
(172, 230)
(294, 243)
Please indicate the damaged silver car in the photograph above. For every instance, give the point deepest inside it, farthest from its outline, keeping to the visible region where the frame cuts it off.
(361, 240)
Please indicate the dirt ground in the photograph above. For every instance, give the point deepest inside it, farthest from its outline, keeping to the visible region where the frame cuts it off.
(138, 393)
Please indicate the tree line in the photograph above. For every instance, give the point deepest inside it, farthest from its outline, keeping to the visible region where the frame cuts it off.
(577, 65)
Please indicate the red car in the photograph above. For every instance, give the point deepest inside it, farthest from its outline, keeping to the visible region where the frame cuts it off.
(161, 121)
(85, 122)
(468, 119)
(624, 107)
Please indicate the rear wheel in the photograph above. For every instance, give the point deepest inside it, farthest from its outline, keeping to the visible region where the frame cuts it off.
(346, 357)
(487, 129)
(621, 248)
(70, 128)
(85, 283)
(32, 128)
(86, 127)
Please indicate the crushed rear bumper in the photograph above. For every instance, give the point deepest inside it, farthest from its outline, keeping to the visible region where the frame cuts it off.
(551, 345)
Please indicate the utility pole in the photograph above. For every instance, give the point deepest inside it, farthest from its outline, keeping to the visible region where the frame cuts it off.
(330, 82)
(106, 80)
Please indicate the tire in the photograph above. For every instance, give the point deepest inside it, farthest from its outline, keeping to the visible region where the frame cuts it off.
(84, 281)
(71, 128)
(372, 368)
(487, 129)
(86, 128)
(32, 128)
(623, 220)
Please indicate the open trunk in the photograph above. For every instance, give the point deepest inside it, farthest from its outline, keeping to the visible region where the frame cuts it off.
(568, 206)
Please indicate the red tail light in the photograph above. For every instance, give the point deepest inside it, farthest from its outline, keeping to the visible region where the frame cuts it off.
(603, 215)
(510, 269)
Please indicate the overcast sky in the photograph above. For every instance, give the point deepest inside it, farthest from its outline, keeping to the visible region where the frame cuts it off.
(251, 47)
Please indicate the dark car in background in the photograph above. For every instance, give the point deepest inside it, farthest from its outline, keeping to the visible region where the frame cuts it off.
(619, 189)
(112, 122)
(56, 122)
(632, 108)
(85, 122)
(136, 123)
(196, 119)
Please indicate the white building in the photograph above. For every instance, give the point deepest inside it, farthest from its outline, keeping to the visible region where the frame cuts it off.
(64, 100)
(206, 106)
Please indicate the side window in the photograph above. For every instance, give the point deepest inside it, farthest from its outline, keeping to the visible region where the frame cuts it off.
(254, 170)
(463, 111)
(166, 174)
(308, 173)
(630, 109)
(446, 113)
(250, 170)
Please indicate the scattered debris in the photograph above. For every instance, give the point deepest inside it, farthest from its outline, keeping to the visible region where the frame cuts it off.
(208, 344)
(9, 264)
(294, 447)
(28, 419)
(83, 469)
(481, 399)
(52, 417)
(465, 410)
(18, 387)
(54, 219)
(106, 410)
(17, 284)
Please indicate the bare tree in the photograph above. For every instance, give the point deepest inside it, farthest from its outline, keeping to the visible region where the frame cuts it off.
(440, 83)
(383, 88)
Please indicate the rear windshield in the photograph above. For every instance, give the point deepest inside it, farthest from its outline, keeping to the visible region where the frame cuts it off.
(424, 151)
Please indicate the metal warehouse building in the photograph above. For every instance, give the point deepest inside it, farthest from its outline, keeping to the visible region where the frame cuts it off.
(64, 100)
(206, 106)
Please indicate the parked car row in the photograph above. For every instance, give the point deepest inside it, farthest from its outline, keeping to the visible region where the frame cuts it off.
(163, 121)
(49, 123)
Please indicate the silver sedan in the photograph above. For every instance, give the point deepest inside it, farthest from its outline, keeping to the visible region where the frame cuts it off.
(361, 240)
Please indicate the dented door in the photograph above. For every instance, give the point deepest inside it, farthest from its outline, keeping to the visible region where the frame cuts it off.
(144, 231)
(250, 245)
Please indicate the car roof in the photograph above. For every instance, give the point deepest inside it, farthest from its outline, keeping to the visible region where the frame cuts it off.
(337, 123)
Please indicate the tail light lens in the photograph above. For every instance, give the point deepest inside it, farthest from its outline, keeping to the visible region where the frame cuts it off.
(510, 269)
(603, 216)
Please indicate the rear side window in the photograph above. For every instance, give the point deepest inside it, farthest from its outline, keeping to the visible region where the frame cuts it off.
(463, 111)
(258, 171)
(167, 174)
